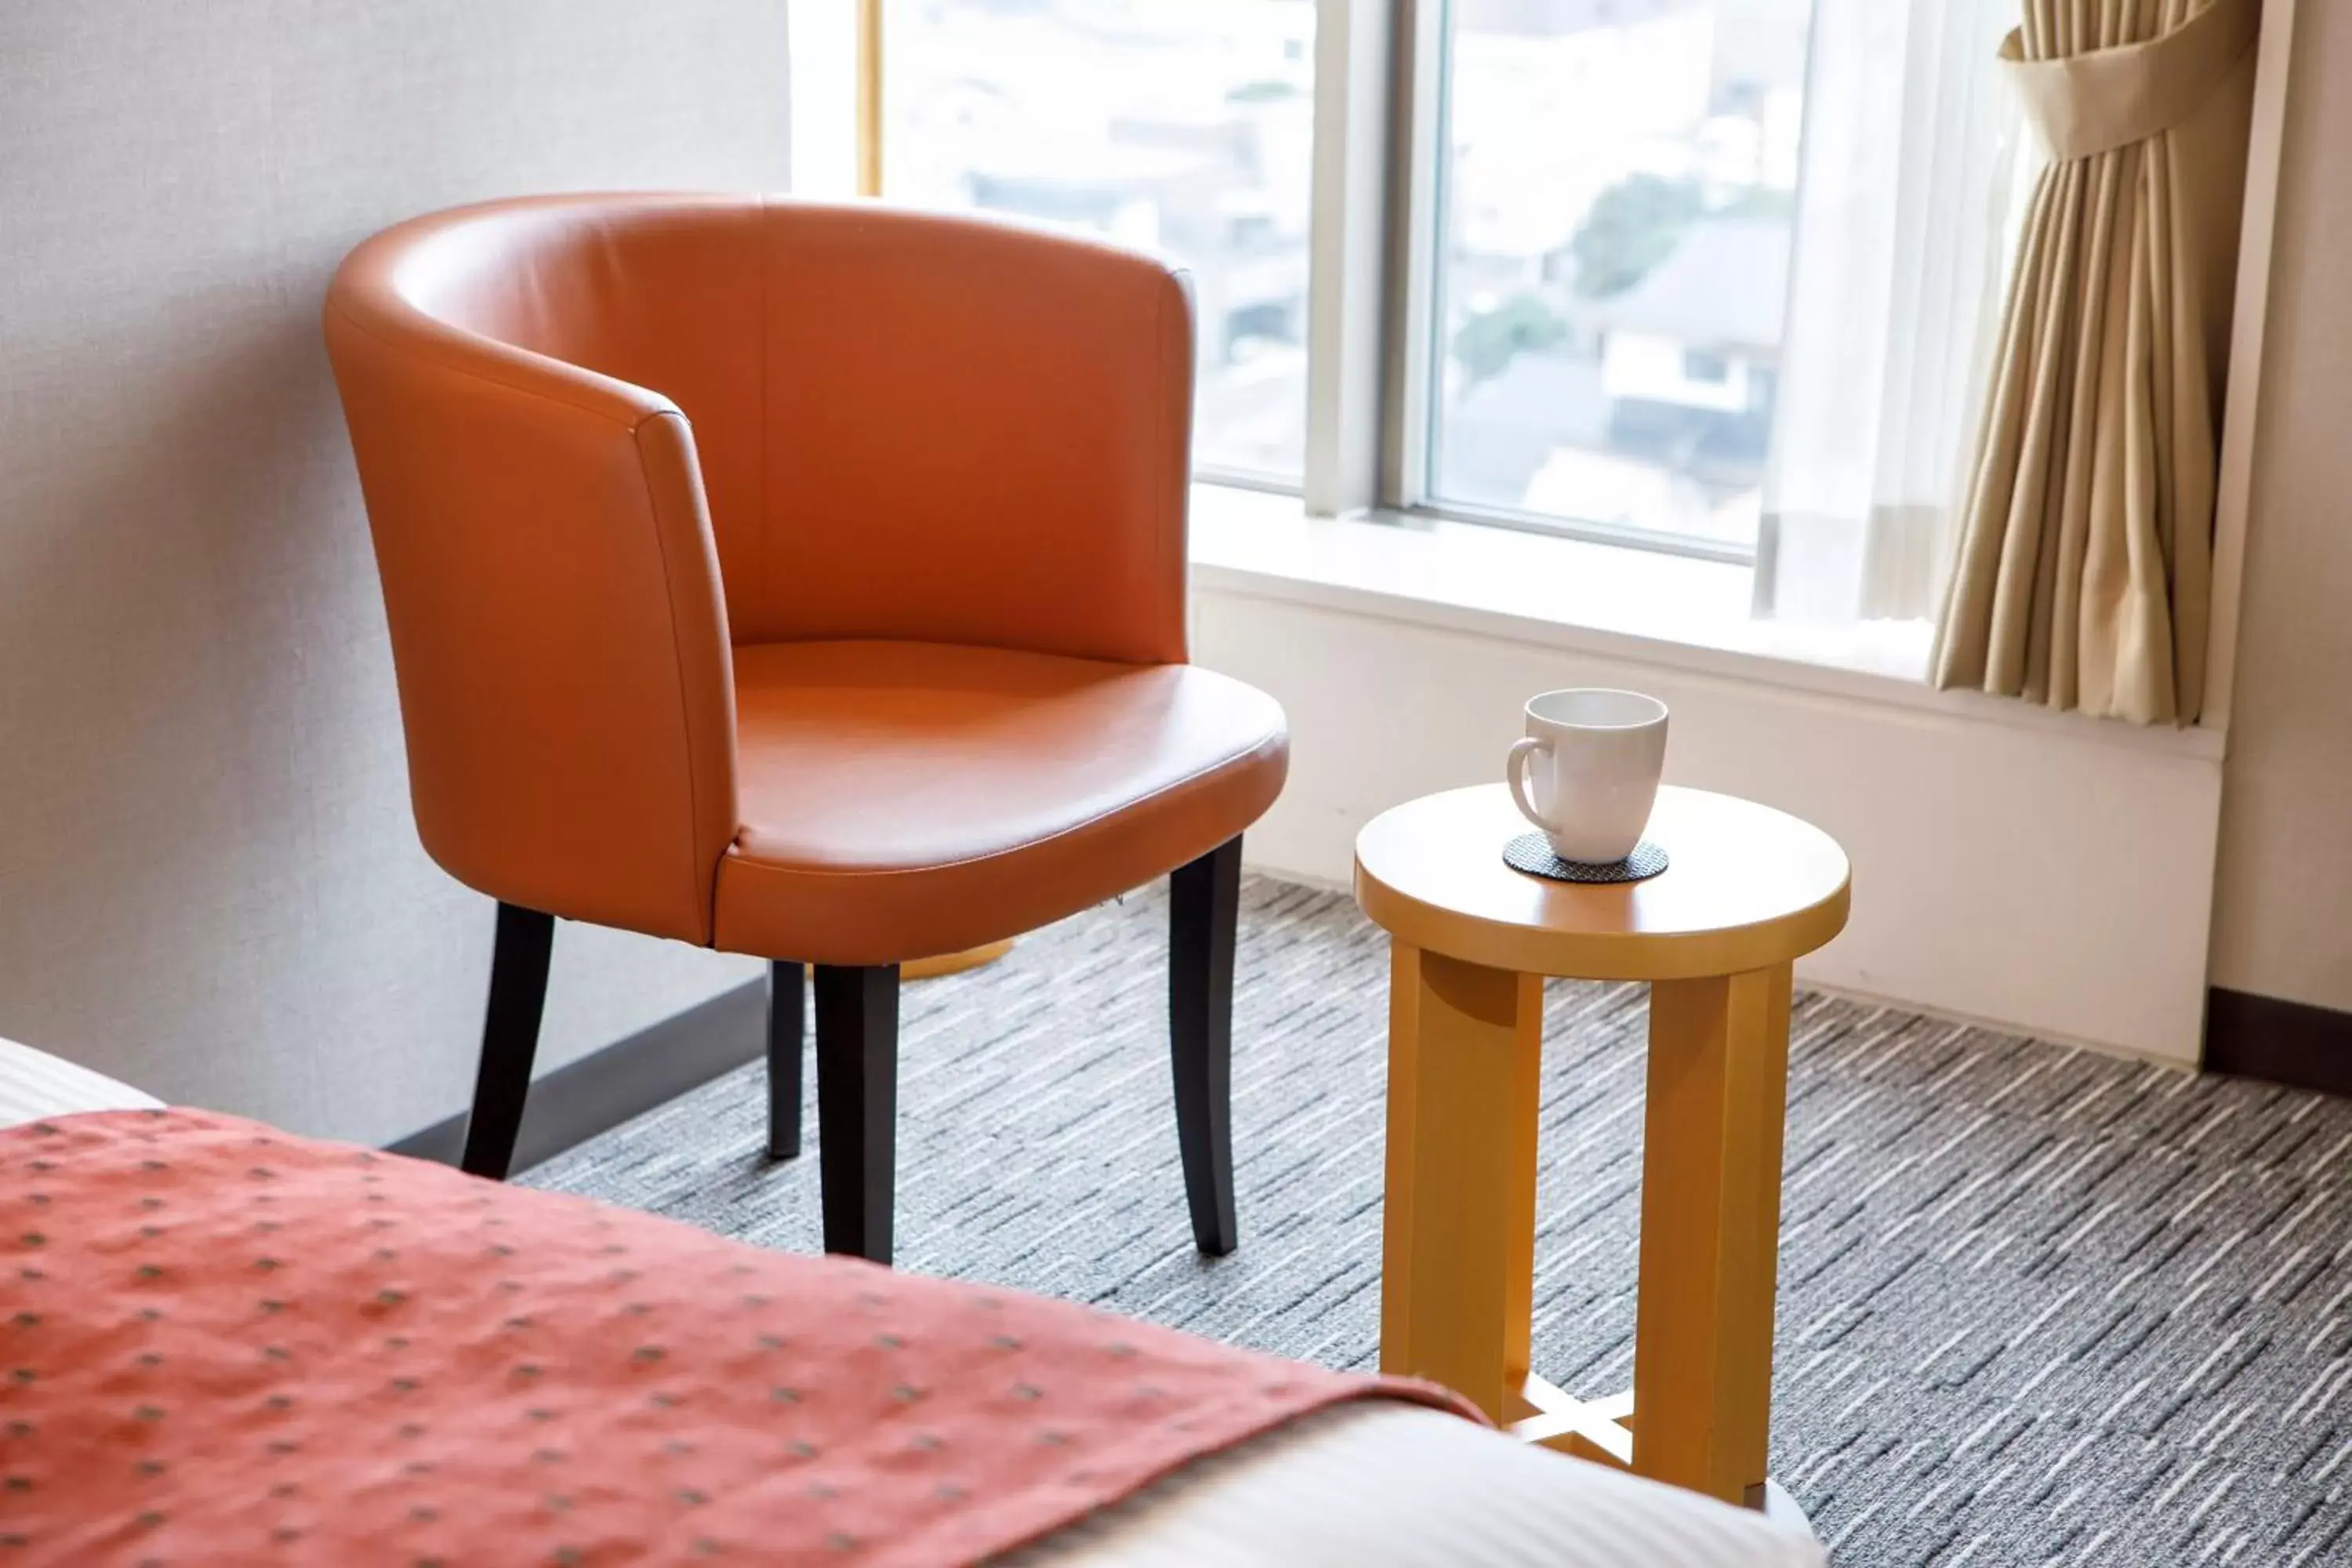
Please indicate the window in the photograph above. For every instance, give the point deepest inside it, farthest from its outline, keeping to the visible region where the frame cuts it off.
(1184, 127)
(1618, 184)
(1712, 277)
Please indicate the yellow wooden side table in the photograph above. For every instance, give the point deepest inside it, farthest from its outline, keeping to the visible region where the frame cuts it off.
(1747, 891)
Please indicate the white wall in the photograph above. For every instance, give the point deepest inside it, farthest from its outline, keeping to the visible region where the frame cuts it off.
(2053, 876)
(209, 882)
(2282, 915)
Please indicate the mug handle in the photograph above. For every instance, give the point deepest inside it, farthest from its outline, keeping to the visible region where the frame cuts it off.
(1514, 771)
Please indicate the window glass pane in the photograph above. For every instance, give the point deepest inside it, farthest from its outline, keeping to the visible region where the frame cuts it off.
(1618, 200)
(1184, 127)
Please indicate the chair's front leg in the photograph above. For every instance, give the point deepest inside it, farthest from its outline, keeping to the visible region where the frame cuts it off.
(525, 942)
(1203, 909)
(857, 1105)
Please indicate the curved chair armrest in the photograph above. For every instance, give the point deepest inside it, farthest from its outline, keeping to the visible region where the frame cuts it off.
(976, 433)
(568, 700)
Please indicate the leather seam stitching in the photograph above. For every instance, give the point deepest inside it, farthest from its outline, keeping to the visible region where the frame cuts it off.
(677, 667)
(763, 250)
(518, 387)
(1255, 748)
(1171, 510)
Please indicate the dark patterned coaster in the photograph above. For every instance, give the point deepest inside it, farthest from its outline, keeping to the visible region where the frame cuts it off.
(1530, 853)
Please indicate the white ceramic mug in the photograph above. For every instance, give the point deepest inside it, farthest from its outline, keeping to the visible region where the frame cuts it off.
(1587, 773)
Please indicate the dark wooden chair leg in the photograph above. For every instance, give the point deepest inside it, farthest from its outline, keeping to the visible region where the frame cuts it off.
(787, 1042)
(857, 1105)
(1203, 908)
(509, 1039)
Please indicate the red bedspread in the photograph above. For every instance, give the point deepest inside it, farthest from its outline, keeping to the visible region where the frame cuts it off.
(220, 1343)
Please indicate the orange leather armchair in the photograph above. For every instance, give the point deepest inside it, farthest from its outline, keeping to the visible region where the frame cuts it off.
(806, 582)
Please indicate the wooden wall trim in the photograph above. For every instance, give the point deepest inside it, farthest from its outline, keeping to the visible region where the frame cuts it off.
(2279, 1041)
(607, 1086)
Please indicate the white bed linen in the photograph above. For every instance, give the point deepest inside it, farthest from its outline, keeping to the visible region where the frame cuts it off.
(1378, 1484)
(33, 1084)
(1397, 1486)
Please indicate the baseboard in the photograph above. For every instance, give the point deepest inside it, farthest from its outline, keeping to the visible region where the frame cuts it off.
(607, 1086)
(2246, 1034)
(1805, 982)
(2268, 1038)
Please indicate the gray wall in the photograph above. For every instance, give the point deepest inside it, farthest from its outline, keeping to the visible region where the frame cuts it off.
(209, 881)
(2282, 899)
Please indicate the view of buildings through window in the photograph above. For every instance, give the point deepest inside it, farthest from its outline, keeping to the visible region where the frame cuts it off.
(1616, 212)
(1614, 223)
(1185, 127)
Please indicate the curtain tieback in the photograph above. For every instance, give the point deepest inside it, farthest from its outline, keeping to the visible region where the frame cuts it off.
(2104, 98)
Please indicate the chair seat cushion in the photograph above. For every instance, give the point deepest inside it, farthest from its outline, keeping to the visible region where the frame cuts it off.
(901, 800)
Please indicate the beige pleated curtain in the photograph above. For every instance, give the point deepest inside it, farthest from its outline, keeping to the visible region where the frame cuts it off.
(2085, 560)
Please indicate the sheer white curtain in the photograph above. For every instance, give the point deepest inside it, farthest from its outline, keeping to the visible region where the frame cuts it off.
(1906, 201)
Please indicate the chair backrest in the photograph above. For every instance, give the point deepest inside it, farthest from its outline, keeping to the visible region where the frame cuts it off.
(973, 433)
(601, 437)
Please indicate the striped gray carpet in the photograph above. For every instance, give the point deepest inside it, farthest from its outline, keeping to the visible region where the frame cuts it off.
(2036, 1306)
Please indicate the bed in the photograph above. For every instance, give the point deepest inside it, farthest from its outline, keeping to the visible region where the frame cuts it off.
(100, 1175)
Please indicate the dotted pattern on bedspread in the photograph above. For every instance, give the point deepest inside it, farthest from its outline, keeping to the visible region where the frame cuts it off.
(224, 1344)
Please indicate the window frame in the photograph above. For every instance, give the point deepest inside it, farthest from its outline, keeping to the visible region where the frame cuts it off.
(1382, 137)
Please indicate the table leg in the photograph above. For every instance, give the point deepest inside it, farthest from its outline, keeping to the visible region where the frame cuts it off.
(1710, 1231)
(1465, 1049)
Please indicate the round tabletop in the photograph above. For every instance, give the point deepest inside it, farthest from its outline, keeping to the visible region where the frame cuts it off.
(1746, 887)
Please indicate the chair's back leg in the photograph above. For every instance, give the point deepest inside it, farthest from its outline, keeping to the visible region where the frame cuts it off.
(509, 1038)
(787, 1042)
(1204, 909)
(857, 1105)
